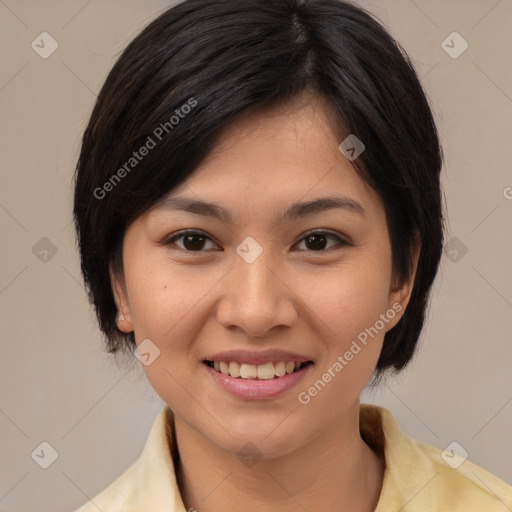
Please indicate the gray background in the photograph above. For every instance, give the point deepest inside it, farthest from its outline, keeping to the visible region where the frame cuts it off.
(59, 386)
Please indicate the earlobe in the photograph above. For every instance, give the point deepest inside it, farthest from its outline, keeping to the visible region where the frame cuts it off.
(123, 317)
(123, 324)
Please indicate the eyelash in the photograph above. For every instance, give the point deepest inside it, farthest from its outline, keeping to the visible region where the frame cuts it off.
(181, 234)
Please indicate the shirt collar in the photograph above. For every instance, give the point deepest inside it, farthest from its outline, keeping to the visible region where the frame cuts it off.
(156, 475)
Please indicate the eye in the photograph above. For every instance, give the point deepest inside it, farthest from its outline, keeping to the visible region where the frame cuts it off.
(193, 241)
(316, 240)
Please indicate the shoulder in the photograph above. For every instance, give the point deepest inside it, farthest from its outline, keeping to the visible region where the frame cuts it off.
(458, 484)
(119, 495)
(149, 482)
(421, 477)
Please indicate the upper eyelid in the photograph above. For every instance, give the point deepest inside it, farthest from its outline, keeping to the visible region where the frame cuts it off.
(181, 233)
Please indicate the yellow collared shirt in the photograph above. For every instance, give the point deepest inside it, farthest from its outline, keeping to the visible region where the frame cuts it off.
(416, 479)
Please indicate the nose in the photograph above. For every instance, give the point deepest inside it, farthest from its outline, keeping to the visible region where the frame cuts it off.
(255, 298)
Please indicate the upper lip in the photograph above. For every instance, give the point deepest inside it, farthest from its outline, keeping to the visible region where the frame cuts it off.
(260, 357)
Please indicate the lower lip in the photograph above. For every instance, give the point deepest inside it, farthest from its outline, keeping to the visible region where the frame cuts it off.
(256, 389)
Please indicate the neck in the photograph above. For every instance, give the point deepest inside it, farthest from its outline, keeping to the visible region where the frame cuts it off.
(336, 470)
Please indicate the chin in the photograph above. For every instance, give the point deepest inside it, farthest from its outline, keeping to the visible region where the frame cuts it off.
(260, 441)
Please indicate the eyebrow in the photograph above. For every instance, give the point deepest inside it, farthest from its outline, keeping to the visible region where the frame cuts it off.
(295, 211)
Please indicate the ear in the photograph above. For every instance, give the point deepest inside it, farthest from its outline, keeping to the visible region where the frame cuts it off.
(118, 284)
(400, 293)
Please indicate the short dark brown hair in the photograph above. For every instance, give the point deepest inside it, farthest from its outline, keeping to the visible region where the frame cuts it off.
(201, 64)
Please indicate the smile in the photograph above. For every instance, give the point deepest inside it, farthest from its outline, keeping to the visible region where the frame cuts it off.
(266, 371)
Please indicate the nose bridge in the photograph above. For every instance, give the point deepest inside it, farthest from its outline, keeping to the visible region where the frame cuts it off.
(254, 268)
(255, 299)
(260, 272)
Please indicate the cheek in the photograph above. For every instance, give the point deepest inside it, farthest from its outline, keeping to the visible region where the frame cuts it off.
(346, 305)
(170, 305)
(347, 310)
(165, 299)
(166, 309)
(349, 299)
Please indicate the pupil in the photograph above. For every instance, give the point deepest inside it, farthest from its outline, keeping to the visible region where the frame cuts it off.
(194, 245)
(317, 245)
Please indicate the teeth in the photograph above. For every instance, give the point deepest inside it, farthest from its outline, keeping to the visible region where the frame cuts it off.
(234, 369)
(248, 371)
(224, 368)
(280, 368)
(265, 371)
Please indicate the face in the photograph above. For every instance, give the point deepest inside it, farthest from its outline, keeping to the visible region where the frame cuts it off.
(258, 286)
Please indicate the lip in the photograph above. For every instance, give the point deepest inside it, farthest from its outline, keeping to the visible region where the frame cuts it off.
(255, 389)
(261, 357)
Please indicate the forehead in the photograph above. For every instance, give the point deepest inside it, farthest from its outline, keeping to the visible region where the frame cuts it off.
(278, 156)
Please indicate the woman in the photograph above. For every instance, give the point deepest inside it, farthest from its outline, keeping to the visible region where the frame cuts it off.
(259, 215)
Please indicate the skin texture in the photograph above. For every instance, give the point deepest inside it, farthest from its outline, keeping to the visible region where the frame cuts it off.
(314, 302)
